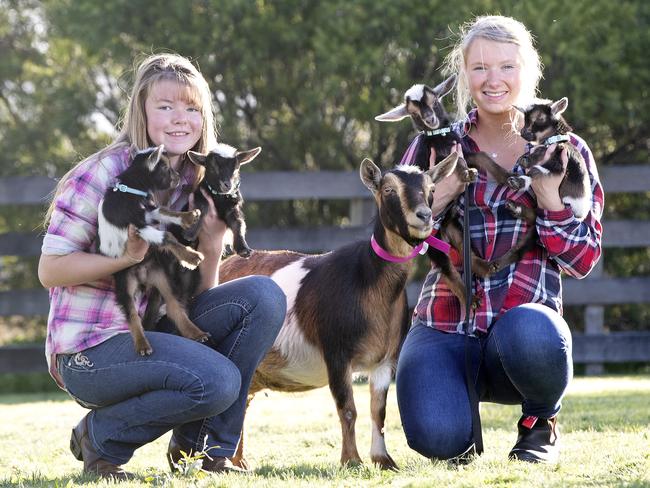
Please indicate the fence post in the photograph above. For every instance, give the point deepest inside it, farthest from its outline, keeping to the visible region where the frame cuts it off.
(595, 322)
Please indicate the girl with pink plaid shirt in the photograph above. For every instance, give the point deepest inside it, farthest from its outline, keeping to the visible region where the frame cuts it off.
(197, 391)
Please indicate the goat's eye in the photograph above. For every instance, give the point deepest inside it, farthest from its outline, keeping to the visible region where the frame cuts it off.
(388, 190)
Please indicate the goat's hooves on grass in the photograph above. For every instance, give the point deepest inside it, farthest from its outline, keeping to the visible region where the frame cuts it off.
(385, 463)
(242, 463)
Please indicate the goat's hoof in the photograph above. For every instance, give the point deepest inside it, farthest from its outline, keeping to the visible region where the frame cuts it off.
(204, 338)
(144, 349)
(385, 462)
(191, 218)
(469, 175)
(241, 462)
(514, 208)
(515, 183)
(245, 253)
(192, 259)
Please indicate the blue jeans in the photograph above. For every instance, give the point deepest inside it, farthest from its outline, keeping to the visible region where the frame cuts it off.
(196, 390)
(524, 359)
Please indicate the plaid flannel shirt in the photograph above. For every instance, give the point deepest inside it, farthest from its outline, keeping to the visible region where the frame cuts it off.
(565, 244)
(85, 315)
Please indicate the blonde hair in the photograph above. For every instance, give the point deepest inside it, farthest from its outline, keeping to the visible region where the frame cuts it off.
(133, 125)
(500, 29)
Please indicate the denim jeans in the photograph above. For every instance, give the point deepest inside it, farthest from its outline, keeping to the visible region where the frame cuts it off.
(524, 359)
(196, 390)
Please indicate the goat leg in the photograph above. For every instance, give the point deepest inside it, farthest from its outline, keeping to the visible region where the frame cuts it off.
(525, 243)
(340, 381)
(187, 256)
(482, 161)
(237, 225)
(176, 311)
(239, 459)
(125, 287)
(379, 382)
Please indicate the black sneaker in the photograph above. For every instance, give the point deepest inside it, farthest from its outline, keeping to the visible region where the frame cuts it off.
(537, 441)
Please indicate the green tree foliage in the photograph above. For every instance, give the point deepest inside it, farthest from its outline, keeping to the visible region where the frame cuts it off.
(304, 78)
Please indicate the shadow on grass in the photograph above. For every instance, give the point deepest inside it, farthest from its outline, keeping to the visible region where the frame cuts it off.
(37, 481)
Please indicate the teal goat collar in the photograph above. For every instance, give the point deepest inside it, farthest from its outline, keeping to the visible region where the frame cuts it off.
(127, 189)
(556, 139)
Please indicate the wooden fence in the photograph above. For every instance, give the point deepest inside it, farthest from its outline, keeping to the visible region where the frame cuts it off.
(592, 348)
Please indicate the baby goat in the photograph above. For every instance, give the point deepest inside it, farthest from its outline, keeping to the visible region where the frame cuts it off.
(347, 309)
(222, 182)
(131, 202)
(424, 106)
(544, 126)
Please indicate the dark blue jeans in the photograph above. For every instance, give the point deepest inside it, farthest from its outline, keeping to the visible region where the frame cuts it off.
(184, 385)
(525, 359)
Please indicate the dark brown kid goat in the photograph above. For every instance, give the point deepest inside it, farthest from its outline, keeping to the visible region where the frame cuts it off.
(347, 309)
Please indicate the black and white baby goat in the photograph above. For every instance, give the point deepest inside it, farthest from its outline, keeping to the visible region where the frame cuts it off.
(222, 182)
(132, 202)
(544, 126)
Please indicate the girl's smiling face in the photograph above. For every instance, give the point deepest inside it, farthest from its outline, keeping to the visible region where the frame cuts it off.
(173, 118)
(494, 74)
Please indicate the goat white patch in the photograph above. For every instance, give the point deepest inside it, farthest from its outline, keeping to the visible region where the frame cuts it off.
(541, 169)
(579, 206)
(408, 168)
(527, 180)
(378, 445)
(416, 92)
(305, 362)
(225, 150)
(112, 239)
(381, 376)
(152, 235)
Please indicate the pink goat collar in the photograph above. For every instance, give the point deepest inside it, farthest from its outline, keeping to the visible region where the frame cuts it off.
(419, 249)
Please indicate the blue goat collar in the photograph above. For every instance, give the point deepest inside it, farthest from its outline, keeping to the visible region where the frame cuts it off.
(556, 139)
(437, 132)
(127, 189)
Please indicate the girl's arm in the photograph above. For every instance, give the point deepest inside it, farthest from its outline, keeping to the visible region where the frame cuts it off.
(80, 267)
(210, 244)
(575, 245)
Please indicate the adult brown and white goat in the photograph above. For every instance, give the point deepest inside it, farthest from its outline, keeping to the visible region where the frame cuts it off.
(347, 309)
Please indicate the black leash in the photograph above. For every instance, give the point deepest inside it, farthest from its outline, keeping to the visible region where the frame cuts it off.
(469, 380)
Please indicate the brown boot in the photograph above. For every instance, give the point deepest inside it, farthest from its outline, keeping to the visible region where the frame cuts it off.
(537, 441)
(83, 450)
(212, 464)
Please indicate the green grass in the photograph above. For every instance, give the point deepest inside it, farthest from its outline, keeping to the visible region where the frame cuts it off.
(294, 440)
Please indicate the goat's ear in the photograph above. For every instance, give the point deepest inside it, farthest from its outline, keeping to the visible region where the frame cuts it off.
(244, 157)
(445, 87)
(560, 106)
(393, 115)
(155, 156)
(370, 175)
(444, 168)
(197, 158)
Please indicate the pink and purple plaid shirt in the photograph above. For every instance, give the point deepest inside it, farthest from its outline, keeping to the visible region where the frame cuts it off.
(565, 244)
(85, 315)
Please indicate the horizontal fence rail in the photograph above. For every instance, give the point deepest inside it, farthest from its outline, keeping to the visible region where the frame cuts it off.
(594, 292)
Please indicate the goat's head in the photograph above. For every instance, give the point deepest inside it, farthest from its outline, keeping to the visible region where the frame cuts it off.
(154, 162)
(404, 196)
(222, 166)
(543, 120)
(423, 105)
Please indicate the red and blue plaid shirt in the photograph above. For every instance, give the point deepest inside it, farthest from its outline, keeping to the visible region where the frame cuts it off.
(565, 244)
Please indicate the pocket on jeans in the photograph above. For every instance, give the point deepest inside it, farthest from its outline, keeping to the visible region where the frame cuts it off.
(75, 363)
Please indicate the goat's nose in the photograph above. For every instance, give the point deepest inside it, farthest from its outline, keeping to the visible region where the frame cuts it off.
(424, 214)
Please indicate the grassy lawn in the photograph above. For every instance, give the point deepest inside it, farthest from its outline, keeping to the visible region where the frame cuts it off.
(294, 440)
